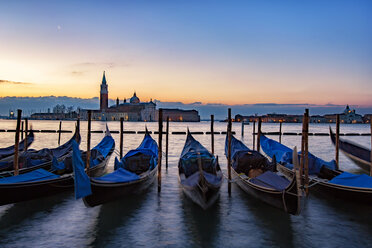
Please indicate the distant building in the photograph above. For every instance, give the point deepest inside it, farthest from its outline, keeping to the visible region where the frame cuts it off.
(270, 118)
(134, 110)
(54, 116)
(348, 116)
(180, 115)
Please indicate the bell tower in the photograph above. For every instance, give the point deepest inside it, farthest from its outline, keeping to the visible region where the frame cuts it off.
(104, 94)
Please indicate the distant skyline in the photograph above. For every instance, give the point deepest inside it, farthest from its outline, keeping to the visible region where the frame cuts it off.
(31, 105)
(214, 52)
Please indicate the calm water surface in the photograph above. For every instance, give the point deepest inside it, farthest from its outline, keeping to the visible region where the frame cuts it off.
(169, 220)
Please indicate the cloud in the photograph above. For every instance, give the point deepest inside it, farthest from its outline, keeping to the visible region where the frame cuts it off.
(13, 82)
(93, 64)
(77, 73)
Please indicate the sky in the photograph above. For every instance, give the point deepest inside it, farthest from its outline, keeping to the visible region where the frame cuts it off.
(213, 52)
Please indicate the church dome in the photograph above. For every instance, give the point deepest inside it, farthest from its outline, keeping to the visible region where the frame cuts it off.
(134, 99)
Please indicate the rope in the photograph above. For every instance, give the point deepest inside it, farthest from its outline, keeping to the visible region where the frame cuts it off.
(318, 181)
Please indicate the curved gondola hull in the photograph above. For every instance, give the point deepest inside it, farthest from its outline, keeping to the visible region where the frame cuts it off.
(105, 192)
(288, 200)
(17, 192)
(359, 155)
(203, 194)
(354, 194)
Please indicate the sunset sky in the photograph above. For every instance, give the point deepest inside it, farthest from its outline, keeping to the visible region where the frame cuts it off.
(230, 52)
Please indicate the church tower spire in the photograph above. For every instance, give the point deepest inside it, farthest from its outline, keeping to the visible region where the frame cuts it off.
(104, 93)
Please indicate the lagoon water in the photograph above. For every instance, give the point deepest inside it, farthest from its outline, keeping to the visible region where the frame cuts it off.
(169, 219)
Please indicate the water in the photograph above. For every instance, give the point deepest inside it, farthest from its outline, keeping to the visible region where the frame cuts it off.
(169, 219)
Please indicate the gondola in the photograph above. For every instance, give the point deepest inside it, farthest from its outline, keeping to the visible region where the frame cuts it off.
(324, 177)
(60, 177)
(7, 153)
(359, 155)
(257, 176)
(35, 159)
(200, 175)
(135, 172)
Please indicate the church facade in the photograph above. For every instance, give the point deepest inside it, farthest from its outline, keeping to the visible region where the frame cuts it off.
(133, 109)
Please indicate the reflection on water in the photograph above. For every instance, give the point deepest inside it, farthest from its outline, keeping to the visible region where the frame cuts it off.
(169, 219)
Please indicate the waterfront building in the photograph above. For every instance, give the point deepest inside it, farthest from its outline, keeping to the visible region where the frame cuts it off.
(347, 116)
(134, 110)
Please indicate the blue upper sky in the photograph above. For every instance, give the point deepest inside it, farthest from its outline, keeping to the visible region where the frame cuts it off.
(236, 52)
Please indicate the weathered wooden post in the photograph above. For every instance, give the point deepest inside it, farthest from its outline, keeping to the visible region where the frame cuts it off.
(121, 136)
(337, 140)
(259, 134)
(88, 141)
(302, 160)
(22, 128)
(16, 145)
(254, 134)
(280, 131)
(370, 171)
(229, 127)
(26, 133)
(306, 146)
(212, 133)
(242, 127)
(166, 143)
(160, 122)
(59, 132)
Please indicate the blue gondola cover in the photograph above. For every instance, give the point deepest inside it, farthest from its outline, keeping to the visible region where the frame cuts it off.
(119, 176)
(33, 176)
(283, 155)
(348, 179)
(82, 182)
(190, 154)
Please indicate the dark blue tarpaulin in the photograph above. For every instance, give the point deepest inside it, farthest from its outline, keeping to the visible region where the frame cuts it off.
(283, 155)
(57, 165)
(193, 180)
(119, 176)
(270, 179)
(191, 152)
(236, 146)
(100, 151)
(33, 176)
(105, 145)
(148, 146)
(348, 179)
(82, 181)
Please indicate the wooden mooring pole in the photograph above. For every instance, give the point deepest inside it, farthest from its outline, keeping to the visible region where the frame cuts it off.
(59, 132)
(16, 145)
(87, 163)
(229, 127)
(337, 141)
(160, 147)
(243, 128)
(259, 134)
(306, 146)
(302, 159)
(280, 132)
(22, 129)
(254, 135)
(26, 133)
(166, 143)
(121, 136)
(212, 133)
